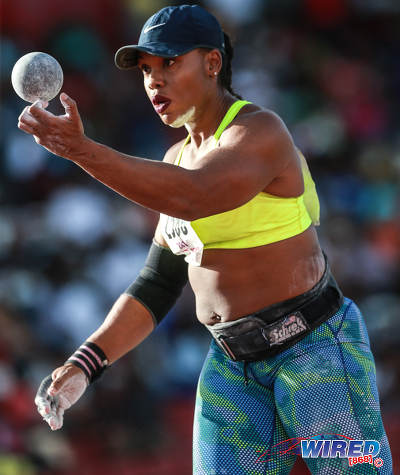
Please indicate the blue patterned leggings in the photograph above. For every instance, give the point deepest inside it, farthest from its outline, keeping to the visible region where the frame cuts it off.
(323, 385)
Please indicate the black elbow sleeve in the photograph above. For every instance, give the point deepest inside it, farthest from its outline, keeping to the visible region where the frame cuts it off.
(160, 282)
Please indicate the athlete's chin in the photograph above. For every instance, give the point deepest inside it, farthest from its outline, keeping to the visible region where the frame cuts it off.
(171, 120)
(179, 120)
(176, 125)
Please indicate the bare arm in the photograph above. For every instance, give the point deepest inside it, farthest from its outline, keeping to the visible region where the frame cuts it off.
(127, 324)
(131, 319)
(251, 154)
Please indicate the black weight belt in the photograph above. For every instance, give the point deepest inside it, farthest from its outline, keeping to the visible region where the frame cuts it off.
(269, 331)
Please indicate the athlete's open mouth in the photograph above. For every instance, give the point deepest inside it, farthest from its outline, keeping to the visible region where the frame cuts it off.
(160, 103)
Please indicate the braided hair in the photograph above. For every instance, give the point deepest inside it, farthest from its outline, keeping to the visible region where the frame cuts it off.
(225, 76)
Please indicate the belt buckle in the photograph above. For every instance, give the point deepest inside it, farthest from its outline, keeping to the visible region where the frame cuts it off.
(226, 349)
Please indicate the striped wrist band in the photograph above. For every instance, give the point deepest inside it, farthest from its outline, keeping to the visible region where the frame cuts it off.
(91, 359)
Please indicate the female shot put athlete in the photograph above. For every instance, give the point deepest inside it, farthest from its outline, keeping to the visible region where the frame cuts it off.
(290, 356)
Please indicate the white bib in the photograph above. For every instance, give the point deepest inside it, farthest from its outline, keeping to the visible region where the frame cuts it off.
(182, 238)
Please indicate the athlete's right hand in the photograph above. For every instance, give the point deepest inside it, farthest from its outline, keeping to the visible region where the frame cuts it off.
(58, 391)
(62, 135)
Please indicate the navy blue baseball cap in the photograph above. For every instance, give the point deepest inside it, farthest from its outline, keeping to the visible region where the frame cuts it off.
(173, 31)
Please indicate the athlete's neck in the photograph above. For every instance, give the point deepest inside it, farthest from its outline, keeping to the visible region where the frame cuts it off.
(208, 116)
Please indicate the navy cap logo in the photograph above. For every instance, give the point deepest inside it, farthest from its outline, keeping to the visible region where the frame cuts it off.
(152, 27)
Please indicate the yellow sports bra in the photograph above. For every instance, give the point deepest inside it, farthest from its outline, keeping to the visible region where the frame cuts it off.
(262, 220)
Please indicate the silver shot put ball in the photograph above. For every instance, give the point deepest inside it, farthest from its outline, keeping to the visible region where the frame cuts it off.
(37, 76)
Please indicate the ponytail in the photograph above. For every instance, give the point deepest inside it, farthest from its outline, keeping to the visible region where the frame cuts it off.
(225, 76)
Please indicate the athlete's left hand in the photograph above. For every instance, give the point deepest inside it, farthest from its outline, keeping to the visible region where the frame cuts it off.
(58, 392)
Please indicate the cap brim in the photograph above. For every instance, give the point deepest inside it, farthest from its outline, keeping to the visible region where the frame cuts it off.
(127, 56)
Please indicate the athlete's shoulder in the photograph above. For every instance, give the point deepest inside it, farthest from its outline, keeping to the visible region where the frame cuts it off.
(253, 112)
(173, 151)
(255, 123)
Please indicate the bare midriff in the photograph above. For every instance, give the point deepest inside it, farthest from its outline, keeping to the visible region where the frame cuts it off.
(232, 283)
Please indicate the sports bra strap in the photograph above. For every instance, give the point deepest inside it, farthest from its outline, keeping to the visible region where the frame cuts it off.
(229, 116)
(178, 158)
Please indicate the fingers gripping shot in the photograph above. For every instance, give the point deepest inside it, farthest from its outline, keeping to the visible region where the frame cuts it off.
(289, 357)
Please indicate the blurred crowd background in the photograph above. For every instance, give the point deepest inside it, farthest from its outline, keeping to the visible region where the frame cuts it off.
(69, 246)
